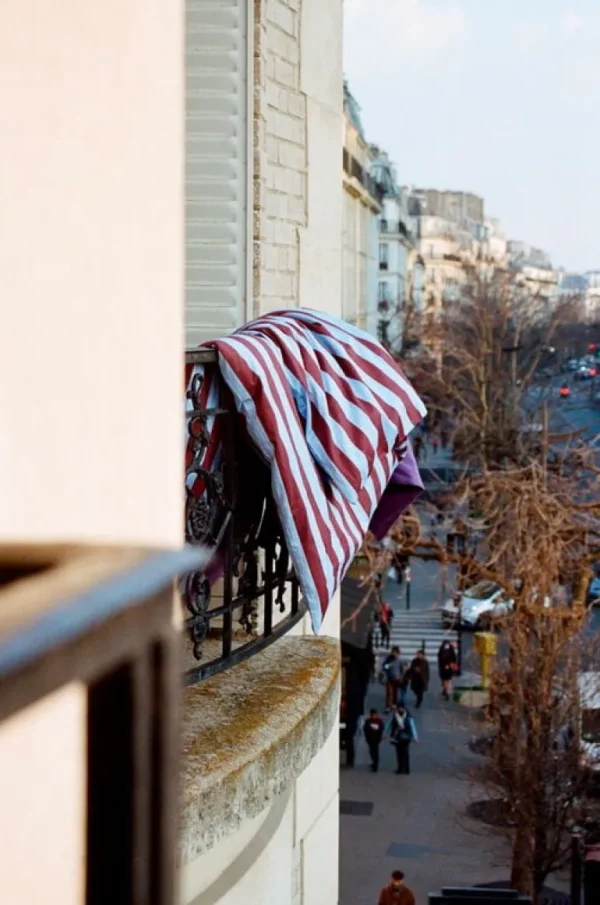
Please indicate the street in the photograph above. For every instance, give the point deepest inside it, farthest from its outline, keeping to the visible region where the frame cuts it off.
(418, 823)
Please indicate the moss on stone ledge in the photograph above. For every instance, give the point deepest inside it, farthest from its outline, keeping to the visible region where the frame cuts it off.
(250, 731)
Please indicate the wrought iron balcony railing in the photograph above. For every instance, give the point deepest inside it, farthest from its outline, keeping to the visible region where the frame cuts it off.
(249, 597)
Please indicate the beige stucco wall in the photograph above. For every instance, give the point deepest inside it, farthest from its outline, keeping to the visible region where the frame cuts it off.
(91, 264)
(288, 854)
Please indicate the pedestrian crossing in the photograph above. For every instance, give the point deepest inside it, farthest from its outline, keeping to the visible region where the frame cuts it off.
(415, 630)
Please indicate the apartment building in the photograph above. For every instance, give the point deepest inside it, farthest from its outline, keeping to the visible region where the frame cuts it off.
(362, 205)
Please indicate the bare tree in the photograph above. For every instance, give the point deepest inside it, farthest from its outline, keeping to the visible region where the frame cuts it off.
(538, 511)
(490, 345)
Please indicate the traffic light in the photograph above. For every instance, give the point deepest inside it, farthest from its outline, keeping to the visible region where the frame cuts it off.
(592, 347)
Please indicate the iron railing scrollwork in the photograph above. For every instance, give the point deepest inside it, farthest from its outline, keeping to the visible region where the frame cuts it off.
(249, 597)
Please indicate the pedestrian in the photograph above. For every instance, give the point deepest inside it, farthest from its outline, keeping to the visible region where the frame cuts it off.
(393, 667)
(419, 676)
(445, 438)
(435, 442)
(402, 732)
(418, 447)
(447, 667)
(396, 893)
(386, 614)
(373, 732)
(401, 561)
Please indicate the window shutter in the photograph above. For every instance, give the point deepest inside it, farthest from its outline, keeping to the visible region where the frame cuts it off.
(216, 167)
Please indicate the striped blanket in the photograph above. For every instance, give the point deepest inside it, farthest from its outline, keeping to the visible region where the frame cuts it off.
(329, 412)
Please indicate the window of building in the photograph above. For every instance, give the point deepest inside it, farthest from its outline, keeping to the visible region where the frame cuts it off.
(384, 254)
(383, 225)
(217, 184)
(384, 291)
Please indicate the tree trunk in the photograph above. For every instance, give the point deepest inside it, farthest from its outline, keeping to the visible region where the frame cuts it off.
(521, 877)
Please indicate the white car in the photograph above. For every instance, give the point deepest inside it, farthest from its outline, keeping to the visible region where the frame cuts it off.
(477, 606)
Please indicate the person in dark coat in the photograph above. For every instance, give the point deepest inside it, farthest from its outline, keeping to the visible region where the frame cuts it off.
(373, 732)
(447, 666)
(419, 676)
(402, 733)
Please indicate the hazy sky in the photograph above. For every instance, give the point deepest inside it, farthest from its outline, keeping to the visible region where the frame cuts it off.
(499, 97)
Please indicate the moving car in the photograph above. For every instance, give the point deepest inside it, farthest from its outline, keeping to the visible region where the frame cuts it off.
(476, 607)
(585, 372)
(564, 390)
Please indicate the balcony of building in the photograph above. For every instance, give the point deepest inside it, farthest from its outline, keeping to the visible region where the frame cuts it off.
(360, 183)
(395, 228)
(262, 697)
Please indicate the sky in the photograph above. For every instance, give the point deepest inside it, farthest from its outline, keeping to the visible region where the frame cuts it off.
(497, 97)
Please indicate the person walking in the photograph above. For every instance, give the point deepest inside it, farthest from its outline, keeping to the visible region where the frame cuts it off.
(396, 893)
(447, 667)
(373, 732)
(435, 442)
(386, 614)
(393, 667)
(403, 733)
(419, 676)
(418, 447)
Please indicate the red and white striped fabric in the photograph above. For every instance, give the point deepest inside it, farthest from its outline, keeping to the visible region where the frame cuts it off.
(329, 411)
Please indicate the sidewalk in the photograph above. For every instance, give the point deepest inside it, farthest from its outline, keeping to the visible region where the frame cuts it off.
(431, 585)
(417, 823)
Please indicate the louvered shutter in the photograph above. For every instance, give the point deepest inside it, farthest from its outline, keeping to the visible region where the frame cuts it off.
(216, 167)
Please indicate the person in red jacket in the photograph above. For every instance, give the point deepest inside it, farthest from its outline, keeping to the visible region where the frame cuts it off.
(396, 893)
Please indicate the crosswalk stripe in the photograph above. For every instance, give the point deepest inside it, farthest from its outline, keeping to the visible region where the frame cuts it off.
(413, 631)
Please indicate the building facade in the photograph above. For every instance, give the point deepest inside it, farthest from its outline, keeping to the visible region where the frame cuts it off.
(449, 228)
(362, 200)
(592, 295)
(396, 256)
(264, 232)
(584, 286)
(533, 270)
(259, 152)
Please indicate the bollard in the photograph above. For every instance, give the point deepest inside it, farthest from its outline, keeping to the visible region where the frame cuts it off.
(486, 646)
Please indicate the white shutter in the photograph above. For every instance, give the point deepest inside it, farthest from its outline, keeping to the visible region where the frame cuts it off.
(216, 167)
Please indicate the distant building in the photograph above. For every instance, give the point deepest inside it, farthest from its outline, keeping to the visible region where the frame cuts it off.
(494, 246)
(396, 294)
(448, 234)
(585, 286)
(464, 209)
(592, 296)
(360, 237)
(533, 269)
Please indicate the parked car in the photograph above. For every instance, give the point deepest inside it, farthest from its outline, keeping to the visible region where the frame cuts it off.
(585, 372)
(476, 607)
(571, 365)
